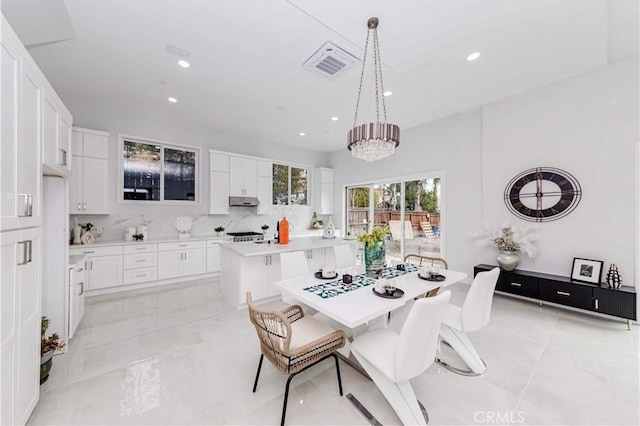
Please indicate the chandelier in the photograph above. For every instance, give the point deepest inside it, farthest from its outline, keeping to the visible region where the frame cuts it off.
(377, 140)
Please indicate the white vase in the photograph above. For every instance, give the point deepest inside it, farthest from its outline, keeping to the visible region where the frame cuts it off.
(508, 260)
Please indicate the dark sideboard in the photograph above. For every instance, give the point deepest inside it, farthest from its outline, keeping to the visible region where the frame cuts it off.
(561, 290)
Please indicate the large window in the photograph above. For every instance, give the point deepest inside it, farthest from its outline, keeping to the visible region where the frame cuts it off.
(410, 207)
(153, 171)
(290, 185)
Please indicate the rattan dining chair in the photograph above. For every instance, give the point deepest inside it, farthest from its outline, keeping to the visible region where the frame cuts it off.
(293, 342)
(420, 260)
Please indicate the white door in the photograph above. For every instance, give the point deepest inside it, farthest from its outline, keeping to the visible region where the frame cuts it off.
(75, 186)
(95, 146)
(253, 277)
(28, 279)
(265, 195)
(105, 271)
(9, 356)
(76, 298)
(29, 168)
(250, 177)
(194, 262)
(236, 177)
(213, 258)
(64, 147)
(94, 185)
(273, 275)
(50, 132)
(219, 193)
(170, 264)
(10, 68)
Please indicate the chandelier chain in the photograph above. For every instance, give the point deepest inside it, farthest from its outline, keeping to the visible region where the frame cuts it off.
(377, 47)
(376, 66)
(364, 62)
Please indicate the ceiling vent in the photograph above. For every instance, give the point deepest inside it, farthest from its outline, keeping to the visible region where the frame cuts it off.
(330, 61)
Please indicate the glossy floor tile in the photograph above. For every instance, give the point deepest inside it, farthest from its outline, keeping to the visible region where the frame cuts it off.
(180, 355)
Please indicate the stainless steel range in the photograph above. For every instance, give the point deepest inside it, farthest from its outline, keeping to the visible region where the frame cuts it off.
(246, 236)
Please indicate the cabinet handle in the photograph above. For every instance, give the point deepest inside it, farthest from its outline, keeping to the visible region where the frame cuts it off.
(79, 270)
(30, 245)
(84, 207)
(185, 255)
(28, 205)
(563, 293)
(79, 207)
(596, 304)
(140, 248)
(24, 253)
(266, 261)
(516, 284)
(141, 275)
(183, 245)
(81, 284)
(141, 260)
(64, 157)
(87, 252)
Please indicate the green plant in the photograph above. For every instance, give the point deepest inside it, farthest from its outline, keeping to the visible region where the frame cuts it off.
(378, 233)
(50, 343)
(264, 227)
(219, 229)
(87, 226)
(138, 237)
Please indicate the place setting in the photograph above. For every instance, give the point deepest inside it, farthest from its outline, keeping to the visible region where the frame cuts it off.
(388, 289)
(431, 273)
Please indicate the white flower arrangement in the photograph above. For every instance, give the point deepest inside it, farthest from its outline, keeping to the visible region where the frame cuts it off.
(508, 238)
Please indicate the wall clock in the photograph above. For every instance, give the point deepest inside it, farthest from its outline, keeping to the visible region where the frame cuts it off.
(542, 194)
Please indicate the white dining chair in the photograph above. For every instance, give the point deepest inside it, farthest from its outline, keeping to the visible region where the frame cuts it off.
(392, 359)
(293, 264)
(344, 256)
(472, 316)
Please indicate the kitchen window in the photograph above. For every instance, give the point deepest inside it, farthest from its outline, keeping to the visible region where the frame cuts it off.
(153, 171)
(290, 185)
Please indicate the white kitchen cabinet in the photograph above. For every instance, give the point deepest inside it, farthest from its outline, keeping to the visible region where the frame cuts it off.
(218, 183)
(257, 275)
(104, 266)
(181, 259)
(265, 186)
(77, 280)
(21, 113)
(315, 259)
(88, 183)
(243, 177)
(323, 190)
(213, 256)
(56, 134)
(20, 314)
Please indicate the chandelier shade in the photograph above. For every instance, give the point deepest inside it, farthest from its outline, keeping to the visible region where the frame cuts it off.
(379, 139)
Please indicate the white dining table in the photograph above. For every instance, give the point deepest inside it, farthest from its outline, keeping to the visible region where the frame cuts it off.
(360, 306)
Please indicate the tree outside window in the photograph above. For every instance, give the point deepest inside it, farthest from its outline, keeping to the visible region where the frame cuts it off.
(290, 185)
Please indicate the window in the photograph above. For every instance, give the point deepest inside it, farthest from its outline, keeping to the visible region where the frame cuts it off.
(410, 207)
(153, 171)
(290, 185)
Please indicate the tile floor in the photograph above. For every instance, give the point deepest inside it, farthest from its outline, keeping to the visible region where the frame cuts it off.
(180, 355)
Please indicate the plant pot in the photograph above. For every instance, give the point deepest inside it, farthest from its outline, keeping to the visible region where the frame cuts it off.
(508, 260)
(46, 361)
(374, 257)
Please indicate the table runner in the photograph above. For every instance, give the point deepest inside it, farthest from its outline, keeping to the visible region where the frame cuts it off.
(337, 287)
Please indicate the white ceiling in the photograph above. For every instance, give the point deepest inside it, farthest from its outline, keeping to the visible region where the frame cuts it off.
(246, 55)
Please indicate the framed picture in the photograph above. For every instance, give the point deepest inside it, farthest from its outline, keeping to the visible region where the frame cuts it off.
(586, 270)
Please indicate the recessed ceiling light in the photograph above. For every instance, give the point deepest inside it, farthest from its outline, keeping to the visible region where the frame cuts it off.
(388, 93)
(172, 100)
(183, 63)
(334, 118)
(473, 56)
(302, 133)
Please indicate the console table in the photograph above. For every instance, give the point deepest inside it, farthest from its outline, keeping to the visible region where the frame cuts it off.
(561, 290)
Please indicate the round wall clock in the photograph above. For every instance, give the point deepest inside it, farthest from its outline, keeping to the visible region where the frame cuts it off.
(542, 194)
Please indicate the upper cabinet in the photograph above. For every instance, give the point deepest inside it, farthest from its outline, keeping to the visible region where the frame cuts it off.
(239, 176)
(88, 183)
(22, 120)
(323, 190)
(56, 134)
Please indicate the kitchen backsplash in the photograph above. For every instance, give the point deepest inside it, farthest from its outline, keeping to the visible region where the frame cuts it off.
(162, 226)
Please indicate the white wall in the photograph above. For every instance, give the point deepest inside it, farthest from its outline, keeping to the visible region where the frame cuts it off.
(94, 115)
(587, 125)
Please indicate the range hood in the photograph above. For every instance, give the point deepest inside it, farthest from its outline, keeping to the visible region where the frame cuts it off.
(243, 201)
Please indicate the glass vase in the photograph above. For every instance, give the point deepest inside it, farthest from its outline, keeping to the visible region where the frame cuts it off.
(374, 257)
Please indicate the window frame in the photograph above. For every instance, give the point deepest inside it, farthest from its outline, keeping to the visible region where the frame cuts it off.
(402, 180)
(310, 178)
(163, 144)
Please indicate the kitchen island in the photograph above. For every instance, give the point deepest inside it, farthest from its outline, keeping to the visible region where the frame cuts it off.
(255, 266)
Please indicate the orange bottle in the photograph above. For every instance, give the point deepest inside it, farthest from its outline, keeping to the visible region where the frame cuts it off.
(284, 231)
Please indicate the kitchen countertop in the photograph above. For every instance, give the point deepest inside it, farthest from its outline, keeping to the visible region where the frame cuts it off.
(107, 243)
(304, 243)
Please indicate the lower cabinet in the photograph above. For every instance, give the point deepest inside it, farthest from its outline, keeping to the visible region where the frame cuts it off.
(77, 279)
(181, 259)
(257, 275)
(213, 256)
(20, 319)
(103, 266)
(563, 291)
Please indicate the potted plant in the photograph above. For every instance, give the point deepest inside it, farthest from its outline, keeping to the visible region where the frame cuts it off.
(374, 250)
(47, 347)
(138, 237)
(219, 230)
(265, 228)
